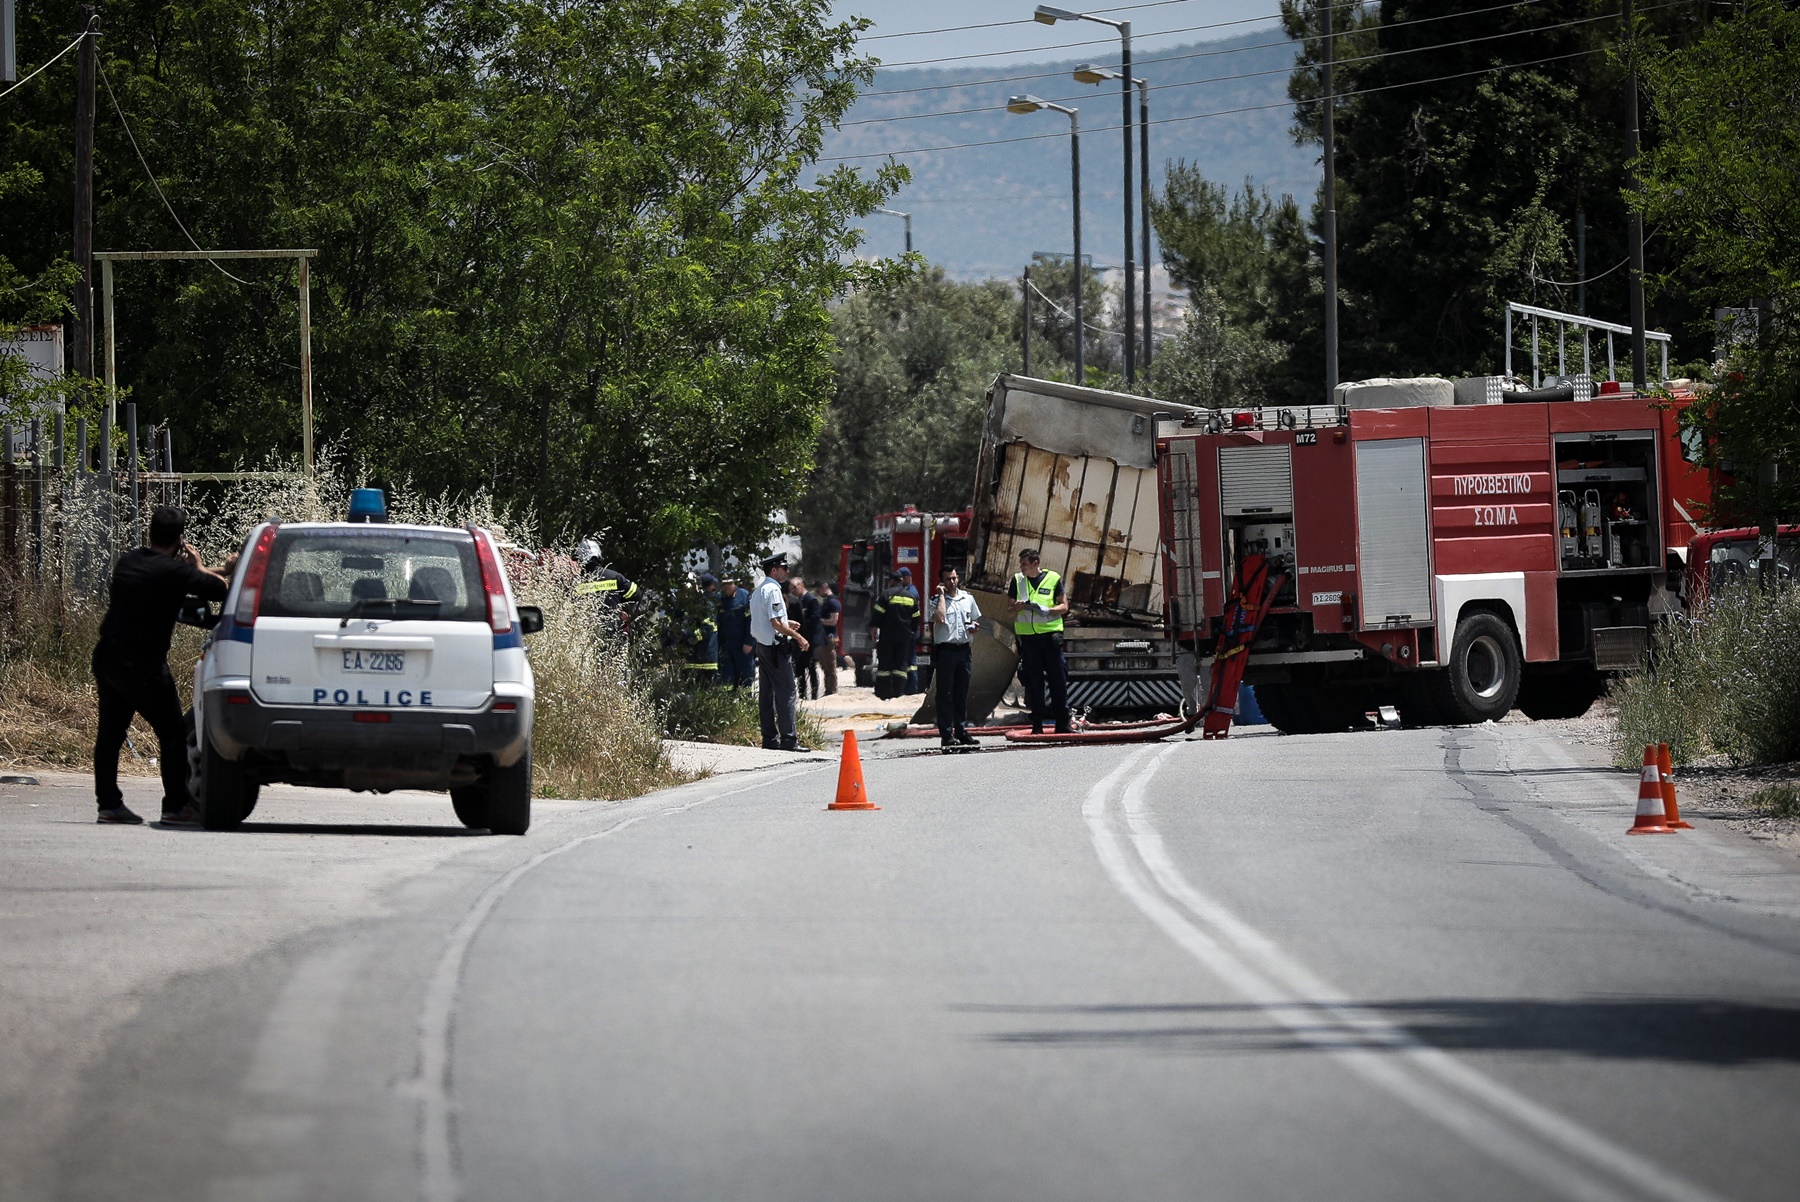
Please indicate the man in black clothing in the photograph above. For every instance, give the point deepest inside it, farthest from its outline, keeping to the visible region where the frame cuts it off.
(131, 668)
(806, 667)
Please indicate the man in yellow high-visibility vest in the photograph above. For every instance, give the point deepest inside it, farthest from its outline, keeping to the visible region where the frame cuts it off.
(1038, 604)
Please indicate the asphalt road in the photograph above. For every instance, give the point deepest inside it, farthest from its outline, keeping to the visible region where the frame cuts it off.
(1392, 965)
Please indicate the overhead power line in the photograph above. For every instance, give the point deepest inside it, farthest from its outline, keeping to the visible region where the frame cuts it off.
(1122, 8)
(84, 33)
(1106, 41)
(1249, 108)
(1172, 58)
(1342, 62)
(132, 138)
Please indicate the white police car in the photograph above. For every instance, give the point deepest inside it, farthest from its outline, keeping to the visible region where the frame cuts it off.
(363, 655)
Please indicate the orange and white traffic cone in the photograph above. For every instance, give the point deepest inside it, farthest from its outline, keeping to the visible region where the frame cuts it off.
(850, 792)
(1650, 799)
(1665, 768)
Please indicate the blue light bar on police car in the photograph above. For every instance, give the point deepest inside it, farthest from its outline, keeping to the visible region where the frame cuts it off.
(368, 505)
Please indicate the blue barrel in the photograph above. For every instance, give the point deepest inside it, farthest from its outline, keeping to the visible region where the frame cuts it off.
(1249, 713)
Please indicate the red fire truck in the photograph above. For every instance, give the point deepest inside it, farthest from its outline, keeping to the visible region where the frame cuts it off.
(920, 542)
(1452, 560)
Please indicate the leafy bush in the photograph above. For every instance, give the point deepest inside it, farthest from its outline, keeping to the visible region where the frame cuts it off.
(1777, 801)
(1725, 681)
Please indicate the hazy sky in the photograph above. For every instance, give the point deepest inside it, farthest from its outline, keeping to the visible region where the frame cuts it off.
(1025, 39)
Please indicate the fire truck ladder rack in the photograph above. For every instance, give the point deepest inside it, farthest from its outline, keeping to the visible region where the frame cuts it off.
(1583, 324)
(1295, 417)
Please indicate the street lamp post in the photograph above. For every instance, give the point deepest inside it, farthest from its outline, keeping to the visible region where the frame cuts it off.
(907, 217)
(1050, 16)
(1031, 104)
(1093, 74)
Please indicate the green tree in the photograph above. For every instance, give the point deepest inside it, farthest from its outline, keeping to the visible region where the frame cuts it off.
(565, 253)
(1719, 181)
(1246, 263)
(1467, 141)
(26, 300)
(913, 363)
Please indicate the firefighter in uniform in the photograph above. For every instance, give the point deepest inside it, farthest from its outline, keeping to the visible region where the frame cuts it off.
(597, 579)
(700, 634)
(896, 623)
(1038, 605)
(737, 667)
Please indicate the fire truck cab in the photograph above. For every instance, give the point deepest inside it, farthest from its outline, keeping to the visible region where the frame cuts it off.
(1451, 559)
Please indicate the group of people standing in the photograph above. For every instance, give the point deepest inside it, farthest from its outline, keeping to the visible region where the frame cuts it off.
(779, 635)
(788, 636)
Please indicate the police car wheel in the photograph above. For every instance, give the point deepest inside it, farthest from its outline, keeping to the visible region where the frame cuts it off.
(508, 793)
(221, 793)
(470, 804)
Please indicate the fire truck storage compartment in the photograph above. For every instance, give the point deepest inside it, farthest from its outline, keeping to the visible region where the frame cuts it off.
(1393, 532)
(1256, 499)
(1606, 502)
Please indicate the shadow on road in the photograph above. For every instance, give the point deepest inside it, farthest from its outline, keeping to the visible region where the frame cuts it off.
(1669, 1029)
(346, 828)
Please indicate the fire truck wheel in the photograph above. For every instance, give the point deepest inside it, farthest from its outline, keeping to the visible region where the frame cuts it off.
(1308, 707)
(1418, 699)
(1482, 678)
(1559, 694)
(1275, 702)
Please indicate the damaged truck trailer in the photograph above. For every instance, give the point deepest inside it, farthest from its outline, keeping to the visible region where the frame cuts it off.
(1071, 471)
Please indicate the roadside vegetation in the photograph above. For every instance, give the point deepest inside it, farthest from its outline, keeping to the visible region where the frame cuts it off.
(599, 722)
(1723, 683)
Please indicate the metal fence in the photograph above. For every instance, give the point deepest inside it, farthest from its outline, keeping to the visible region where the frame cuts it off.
(67, 507)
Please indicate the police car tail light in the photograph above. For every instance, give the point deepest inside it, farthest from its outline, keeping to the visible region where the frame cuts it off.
(492, 582)
(250, 592)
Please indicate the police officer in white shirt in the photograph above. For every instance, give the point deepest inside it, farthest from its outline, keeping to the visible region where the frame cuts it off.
(777, 642)
(954, 621)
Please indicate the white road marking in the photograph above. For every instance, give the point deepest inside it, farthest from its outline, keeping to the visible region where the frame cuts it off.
(440, 1177)
(1530, 1139)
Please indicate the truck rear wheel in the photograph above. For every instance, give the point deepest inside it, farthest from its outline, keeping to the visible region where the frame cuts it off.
(1566, 694)
(1481, 679)
(1417, 697)
(1311, 708)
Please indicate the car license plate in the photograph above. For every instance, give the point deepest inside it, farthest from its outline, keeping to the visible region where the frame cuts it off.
(1129, 663)
(381, 663)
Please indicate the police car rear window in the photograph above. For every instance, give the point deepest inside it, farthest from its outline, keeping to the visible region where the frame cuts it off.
(339, 574)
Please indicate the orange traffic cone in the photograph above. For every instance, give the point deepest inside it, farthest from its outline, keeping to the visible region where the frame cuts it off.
(850, 794)
(1650, 799)
(1665, 767)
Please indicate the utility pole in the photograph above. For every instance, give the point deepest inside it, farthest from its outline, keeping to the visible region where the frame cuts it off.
(1025, 330)
(1581, 262)
(1635, 281)
(1330, 214)
(1130, 340)
(85, 72)
(9, 52)
(1144, 212)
